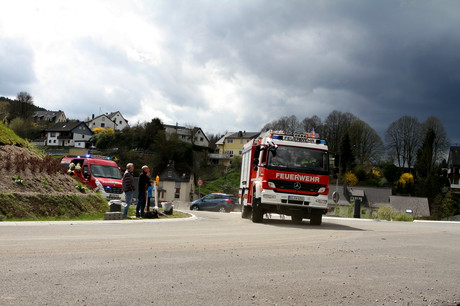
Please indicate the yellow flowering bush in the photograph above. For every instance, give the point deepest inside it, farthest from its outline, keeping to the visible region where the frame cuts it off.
(376, 173)
(98, 130)
(406, 178)
(351, 179)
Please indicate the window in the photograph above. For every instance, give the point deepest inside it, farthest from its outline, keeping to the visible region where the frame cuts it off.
(103, 118)
(229, 140)
(169, 173)
(52, 134)
(102, 124)
(94, 123)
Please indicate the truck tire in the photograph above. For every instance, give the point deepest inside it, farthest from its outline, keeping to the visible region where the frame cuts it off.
(246, 212)
(296, 219)
(316, 219)
(257, 212)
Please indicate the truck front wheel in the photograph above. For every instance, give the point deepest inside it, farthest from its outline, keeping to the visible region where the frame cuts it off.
(257, 212)
(246, 212)
(316, 219)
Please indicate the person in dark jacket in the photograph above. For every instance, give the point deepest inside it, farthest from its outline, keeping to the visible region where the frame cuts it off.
(128, 187)
(144, 182)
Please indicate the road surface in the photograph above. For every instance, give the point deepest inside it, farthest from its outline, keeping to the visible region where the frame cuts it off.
(221, 259)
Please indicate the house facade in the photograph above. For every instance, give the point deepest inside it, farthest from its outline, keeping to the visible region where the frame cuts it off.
(453, 168)
(101, 121)
(194, 136)
(69, 134)
(120, 121)
(49, 116)
(175, 186)
(230, 145)
(114, 121)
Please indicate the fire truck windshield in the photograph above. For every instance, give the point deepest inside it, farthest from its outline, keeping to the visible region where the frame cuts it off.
(299, 159)
(106, 171)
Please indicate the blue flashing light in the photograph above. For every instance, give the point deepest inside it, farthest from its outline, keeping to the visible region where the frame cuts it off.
(78, 156)
(88, 155)
(323, 142)
(277, 137)
(108, 157)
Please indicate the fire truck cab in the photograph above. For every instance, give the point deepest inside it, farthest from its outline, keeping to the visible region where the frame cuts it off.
(285, 174)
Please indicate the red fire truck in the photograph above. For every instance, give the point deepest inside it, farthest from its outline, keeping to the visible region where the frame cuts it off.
(98, 173)
(285, 174)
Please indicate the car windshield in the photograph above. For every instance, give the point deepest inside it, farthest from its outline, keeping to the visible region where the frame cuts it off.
(106, 171)
(299, 159)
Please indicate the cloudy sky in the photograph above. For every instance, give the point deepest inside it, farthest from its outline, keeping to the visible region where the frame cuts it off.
(235, 65)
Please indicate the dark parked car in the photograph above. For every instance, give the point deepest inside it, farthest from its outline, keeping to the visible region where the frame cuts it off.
(215, 202)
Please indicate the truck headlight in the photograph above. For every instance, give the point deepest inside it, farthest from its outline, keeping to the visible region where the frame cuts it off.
(321, 201)
(322, 189)
(271, 185)
(269, 196)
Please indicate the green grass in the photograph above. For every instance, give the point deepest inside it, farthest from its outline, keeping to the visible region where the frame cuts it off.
(96, 217)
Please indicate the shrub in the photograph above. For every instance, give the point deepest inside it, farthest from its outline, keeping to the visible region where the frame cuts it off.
(351, 179)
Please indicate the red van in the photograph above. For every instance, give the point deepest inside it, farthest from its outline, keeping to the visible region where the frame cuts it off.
(98, 173)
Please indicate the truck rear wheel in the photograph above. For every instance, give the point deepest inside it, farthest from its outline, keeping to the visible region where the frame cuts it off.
(246, 212)
(257, 212)
(316, 219)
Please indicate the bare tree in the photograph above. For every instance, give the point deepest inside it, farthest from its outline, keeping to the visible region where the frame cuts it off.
(366, 144)
(403, 138)
(335, 126)
(22, 107)
(288, 124)
(311, 123)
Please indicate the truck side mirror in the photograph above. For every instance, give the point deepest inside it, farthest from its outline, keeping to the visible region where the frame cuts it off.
(86, 175)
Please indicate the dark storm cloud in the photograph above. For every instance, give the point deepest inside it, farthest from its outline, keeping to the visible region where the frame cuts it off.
(16, 66)
(389, 58)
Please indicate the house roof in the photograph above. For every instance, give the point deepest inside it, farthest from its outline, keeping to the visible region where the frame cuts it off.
(46, 115)
(113, 114)
(65, 126)
(418, 206)
(175, 176)
(240, 134)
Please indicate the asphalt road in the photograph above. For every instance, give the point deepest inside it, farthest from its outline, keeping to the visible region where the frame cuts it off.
(221, 259)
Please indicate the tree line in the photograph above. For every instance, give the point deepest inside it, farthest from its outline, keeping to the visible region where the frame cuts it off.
(410, 159)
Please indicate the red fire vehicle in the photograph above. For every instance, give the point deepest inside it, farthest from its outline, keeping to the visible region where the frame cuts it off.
(98, 173)
(285, 174)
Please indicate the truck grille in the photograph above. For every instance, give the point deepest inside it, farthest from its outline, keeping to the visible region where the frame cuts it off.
(113, 190)
(289, 185)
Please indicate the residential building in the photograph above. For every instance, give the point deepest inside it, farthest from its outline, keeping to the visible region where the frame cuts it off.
(49, 116)
(101, 121)
(230, 145)
(120, 121)
(69, 134)
(114, 120)
(195, 135)
(453, 168)
(176, 186)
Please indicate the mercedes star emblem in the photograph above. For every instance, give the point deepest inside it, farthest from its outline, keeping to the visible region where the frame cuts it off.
(297, 185)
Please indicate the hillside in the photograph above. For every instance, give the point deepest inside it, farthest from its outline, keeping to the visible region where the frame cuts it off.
(34, 186)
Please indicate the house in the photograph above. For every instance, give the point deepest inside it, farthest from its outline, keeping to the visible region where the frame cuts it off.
(49, 116)
(230, 145)
(69, 134)
(175, 186)
(120, 121)
(453, 168)
(194, 136)
(101, 121)
(114, 120)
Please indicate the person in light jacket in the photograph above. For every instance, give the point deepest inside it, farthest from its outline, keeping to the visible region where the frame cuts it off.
(128, 187)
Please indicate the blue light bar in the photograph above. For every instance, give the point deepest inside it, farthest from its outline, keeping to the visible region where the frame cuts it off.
(88, 155)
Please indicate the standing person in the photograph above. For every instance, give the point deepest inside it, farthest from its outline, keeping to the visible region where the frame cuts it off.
(144, 182)
(128, 187)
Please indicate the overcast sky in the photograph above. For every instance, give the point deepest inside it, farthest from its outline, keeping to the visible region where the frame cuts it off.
(235, 65)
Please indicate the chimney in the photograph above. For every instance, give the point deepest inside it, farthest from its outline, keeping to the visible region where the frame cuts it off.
(93, 117)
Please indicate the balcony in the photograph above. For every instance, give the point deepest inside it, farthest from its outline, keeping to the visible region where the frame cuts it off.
(219, 156)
